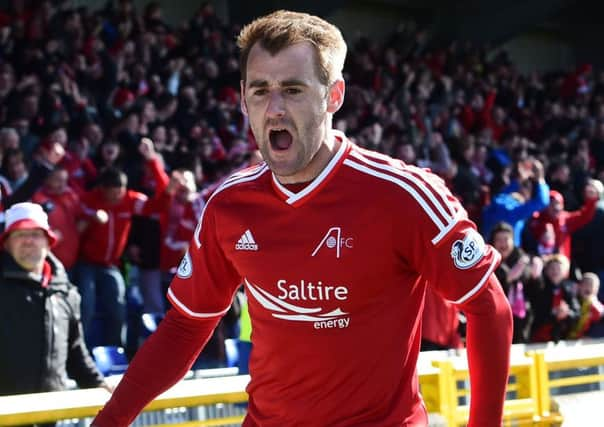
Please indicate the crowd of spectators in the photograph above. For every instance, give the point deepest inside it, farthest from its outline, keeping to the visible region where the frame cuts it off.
(148, 117)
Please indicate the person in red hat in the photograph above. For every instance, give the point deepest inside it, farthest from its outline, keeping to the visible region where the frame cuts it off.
(564, 222)
(40, 311)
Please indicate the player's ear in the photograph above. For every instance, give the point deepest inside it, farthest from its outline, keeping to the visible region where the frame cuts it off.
(336, 96)
(243, 104)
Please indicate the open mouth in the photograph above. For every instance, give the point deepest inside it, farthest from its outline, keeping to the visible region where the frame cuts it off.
(280, 139)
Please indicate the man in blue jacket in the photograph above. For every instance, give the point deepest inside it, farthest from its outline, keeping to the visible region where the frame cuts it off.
(517, 202)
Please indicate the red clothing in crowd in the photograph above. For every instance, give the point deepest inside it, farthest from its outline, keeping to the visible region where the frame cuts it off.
(564, 224)
(104, 243)
(473, 120)
(592, 310)
(64, 210)
(82, 172)
(440, 321)
(178, 224)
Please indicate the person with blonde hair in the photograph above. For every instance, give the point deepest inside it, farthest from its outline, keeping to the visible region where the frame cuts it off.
(592, 309)
(558, 309)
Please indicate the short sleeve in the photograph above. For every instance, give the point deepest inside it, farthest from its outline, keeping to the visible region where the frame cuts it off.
(205, 281)
(443, 245)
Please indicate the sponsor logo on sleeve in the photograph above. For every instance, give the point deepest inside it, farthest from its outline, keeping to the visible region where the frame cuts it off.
(467, 252)
(185, 268)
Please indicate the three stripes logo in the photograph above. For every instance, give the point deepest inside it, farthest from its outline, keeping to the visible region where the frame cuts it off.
(246, 242)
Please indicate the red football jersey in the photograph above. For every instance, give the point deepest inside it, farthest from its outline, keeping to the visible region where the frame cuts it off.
(335, 276)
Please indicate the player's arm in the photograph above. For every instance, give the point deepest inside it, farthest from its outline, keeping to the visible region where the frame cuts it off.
(201, 293)
(488, 338)
(454, 260)
(162, 361)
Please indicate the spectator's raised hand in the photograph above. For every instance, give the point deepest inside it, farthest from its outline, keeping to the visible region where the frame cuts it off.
(593, 189)
(177, 181)
(51, 153)
(536, 267)
(538, 170)
(147, 149)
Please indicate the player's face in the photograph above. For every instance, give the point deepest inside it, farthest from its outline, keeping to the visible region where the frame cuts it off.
(290, 110)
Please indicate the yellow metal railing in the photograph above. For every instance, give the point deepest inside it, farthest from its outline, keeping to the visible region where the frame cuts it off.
(443, 378)
(521, 405)
(48, 407)
(549, 360)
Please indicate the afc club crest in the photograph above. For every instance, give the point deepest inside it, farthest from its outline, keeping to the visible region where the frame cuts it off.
(467, 252)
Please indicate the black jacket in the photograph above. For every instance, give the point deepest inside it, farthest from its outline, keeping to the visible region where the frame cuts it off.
(41, 340)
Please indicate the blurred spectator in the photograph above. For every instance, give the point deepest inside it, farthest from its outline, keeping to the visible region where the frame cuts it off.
(563, 222)
(108, 155)
(520, 275)
(14, 168)
(587, 246)
(466, 184)
(592, 310)
(41, 333)
(46, 159)
(184, 206)
(62, 205)
(77, 162)
(561, 181)
(517, 203)
(108, 211)
(558, 310)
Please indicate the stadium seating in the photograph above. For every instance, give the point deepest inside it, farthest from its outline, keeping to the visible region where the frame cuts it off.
(232, 353)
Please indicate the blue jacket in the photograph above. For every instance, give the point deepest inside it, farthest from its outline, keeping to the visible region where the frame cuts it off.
(506, 207)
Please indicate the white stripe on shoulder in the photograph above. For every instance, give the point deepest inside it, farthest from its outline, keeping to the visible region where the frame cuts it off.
(251, 176)
(419, 199)
(443, 205)
(458, 216)
(245, 172)
(192, 313)
(482, 281)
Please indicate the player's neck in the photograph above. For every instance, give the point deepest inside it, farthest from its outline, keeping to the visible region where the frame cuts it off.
(318, 163)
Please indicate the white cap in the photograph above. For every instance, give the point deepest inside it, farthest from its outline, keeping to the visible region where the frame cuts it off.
(26, 215)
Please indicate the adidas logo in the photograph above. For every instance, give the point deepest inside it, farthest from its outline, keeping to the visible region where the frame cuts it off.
(246, 242)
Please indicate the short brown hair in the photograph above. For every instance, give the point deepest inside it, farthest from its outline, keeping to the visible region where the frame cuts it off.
(283, 28)
(500, 227)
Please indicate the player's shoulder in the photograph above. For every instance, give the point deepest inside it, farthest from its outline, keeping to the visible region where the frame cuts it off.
(388, 169)
(239, 181)
(405, 188)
